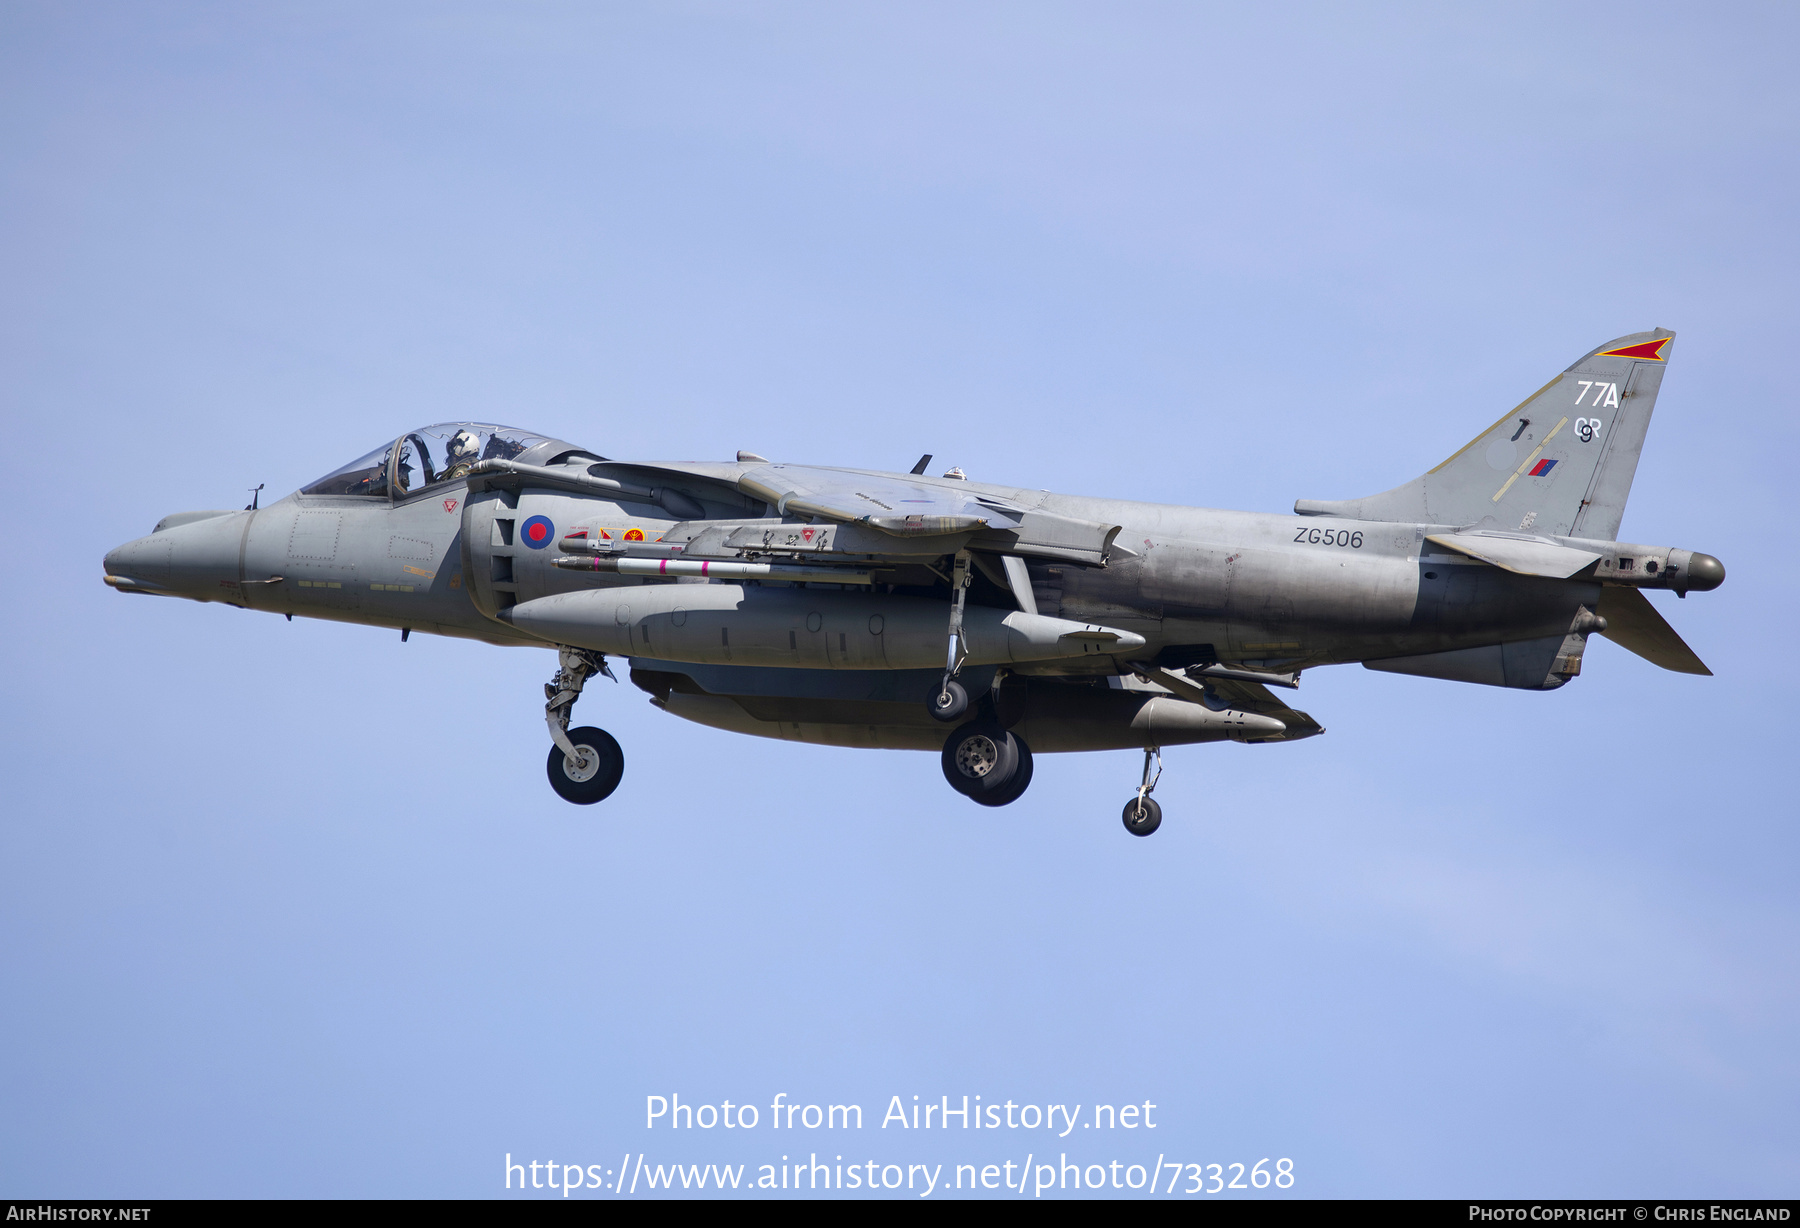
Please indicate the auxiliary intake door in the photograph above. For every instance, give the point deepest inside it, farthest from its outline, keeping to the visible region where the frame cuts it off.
(489, 538)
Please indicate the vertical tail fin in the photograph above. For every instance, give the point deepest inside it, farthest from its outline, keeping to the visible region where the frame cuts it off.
(1560, 465)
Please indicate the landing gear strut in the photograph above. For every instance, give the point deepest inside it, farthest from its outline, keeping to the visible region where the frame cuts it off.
(951, 700)
(586, 764)
(1142, 815)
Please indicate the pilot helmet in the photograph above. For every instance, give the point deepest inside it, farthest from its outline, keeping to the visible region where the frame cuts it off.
(464, 445)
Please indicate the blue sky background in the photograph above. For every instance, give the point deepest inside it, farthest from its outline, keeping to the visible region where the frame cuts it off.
(288, 909)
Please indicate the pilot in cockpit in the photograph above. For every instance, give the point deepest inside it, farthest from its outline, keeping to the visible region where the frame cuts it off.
(461, 455)
(465, 445)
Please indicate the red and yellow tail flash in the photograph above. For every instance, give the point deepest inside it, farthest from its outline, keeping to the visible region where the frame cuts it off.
(1651, 350)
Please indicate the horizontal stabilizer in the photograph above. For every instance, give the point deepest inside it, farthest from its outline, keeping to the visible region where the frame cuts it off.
(1633, 623)
(1517, 554)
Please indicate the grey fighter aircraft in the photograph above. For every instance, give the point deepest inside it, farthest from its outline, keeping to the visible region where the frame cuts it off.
(861, 608)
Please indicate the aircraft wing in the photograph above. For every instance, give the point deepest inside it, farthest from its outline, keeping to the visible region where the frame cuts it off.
(896, 505)
(881, 515)
(902, 507)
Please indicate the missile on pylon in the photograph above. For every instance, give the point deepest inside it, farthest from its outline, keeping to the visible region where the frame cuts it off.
(712, 569)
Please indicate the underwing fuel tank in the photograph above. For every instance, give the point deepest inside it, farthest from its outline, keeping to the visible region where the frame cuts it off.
(1084, 720)
(742, 624)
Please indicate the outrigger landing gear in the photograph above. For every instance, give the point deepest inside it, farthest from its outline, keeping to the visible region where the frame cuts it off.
(586, 764)
(1142, 815)
(951, 700)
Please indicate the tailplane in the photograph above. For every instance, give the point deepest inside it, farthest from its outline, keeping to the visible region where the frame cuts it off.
(1633, 623)
(1560, 465)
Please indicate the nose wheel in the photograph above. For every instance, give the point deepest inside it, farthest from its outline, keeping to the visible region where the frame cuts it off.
(949, 701)
(585, 764)
(592, 773)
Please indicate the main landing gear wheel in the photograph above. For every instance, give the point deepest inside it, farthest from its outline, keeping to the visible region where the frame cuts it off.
(1142, 816)
(949, 701)
(1020, 782)
(594, 775)
(984, 762)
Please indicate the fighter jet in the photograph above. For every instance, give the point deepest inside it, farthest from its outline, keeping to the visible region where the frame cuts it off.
(861, 608)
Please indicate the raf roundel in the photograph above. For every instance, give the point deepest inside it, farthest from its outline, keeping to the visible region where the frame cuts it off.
(537, 532)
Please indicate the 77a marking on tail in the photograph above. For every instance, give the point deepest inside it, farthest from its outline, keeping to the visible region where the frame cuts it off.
(1604, 393)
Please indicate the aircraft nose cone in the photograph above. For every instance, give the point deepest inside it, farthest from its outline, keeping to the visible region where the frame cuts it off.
(146, 564)
(197, 559)
(1705, 573)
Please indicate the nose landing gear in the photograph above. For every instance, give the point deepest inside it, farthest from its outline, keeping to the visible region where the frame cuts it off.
(585, 764)
(950, 700)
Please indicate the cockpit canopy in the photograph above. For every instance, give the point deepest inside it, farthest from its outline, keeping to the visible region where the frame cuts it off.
(424, 458)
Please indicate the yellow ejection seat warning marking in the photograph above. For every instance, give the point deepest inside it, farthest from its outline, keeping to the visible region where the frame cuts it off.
(1529, 460)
